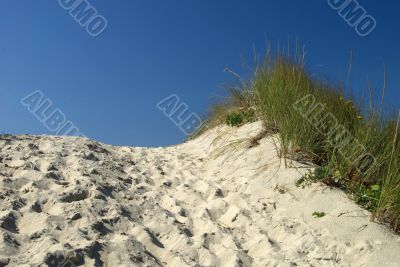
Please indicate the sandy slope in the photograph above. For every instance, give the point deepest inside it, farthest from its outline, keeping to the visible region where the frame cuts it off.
(210, 202)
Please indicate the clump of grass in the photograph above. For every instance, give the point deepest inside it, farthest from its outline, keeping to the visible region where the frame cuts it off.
(234, 119)
(272, 94)
(240, 117)
(281, 83)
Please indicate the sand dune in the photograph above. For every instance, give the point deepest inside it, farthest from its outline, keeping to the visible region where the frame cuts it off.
(212, 201)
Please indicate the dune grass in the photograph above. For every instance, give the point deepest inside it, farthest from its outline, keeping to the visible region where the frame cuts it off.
(355, 151)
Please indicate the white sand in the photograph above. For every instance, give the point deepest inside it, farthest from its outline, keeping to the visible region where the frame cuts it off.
(209, 202)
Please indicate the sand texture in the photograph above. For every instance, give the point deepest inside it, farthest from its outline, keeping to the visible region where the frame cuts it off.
(212, 201)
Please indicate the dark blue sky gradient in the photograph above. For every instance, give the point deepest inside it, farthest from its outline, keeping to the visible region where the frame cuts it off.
(109, 86)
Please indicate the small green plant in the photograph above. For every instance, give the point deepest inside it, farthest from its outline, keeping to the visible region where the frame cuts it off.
(320, 174)
(368, 197)
(318, 214)
(239, 117)
(301, 182)
(234, 119)
(281, 189)
(239, 99)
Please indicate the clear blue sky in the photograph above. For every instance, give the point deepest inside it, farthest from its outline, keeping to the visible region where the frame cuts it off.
(109, 85)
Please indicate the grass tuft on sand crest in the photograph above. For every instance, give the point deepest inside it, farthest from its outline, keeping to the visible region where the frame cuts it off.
(355, 151)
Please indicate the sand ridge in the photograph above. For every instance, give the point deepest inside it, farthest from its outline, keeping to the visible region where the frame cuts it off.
(212, 201)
